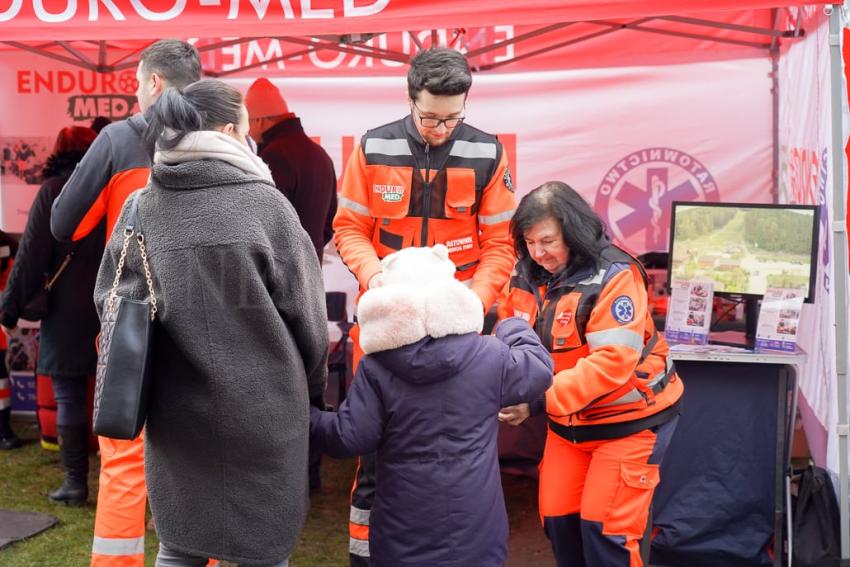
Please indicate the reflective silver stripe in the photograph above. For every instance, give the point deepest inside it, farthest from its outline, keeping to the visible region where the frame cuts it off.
(118, 545)
(358, 547)
(496, 219)
(473, 149)
(632, 396)
(352, 205)
(388, 147)
(658, 378)
(358, 516)
(597, 279)
(616, 337)
(5, 403)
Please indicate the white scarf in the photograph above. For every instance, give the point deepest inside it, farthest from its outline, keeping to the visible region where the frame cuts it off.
(210, 144)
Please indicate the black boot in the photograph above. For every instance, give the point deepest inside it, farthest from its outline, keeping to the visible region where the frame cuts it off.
(74, 451)
(8, 440)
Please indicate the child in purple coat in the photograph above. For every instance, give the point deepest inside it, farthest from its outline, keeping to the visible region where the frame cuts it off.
(426, 397)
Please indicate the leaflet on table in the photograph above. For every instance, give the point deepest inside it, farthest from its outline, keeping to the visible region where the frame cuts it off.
(689, 312)
(779, 317)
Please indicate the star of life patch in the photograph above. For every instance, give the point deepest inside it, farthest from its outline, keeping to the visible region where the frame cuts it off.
(506, 178)
(623, 309)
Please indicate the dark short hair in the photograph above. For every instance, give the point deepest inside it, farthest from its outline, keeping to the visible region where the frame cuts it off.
(440, 71)
(98, 123)
(582, 229)
(176, 62)
(203, 105)
(74, 139)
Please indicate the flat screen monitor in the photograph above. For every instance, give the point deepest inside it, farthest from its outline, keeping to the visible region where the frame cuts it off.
(744, 248)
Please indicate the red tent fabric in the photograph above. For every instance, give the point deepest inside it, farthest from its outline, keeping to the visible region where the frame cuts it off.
(50, 20)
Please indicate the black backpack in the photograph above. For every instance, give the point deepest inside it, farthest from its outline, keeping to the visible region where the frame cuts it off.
(816, 522)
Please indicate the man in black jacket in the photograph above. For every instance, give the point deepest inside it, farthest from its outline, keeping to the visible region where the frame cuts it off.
(301, 169)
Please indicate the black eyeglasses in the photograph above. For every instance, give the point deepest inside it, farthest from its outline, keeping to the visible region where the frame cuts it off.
(428, 122)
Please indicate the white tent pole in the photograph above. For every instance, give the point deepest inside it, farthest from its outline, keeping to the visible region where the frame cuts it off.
(774, 97)
(839, 227)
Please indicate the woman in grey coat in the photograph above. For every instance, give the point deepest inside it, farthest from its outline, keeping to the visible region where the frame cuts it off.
(242, 340)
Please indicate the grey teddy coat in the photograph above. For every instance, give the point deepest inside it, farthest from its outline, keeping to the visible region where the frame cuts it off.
(240, 349)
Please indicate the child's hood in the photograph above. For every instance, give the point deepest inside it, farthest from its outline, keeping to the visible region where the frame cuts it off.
(430, 360)
(420, 298)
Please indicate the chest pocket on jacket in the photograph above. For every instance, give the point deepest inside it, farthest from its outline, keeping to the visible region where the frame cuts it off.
(460, 192)
(565, 334)
(389, 190)
(520, 303)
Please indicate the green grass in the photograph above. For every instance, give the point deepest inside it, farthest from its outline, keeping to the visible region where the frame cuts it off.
(29, 473)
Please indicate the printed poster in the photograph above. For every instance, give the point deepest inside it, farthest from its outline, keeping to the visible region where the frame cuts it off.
(779, 319)
(689, 312)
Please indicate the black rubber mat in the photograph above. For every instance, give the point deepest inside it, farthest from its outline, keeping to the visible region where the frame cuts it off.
(15, 525)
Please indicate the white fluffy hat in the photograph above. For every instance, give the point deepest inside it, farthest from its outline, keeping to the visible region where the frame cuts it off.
(419, 297)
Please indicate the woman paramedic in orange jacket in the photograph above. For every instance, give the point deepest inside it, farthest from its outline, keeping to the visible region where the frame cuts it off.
(615, 398)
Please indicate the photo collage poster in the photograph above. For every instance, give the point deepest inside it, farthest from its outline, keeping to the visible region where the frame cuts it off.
(689, 312)
(779, 319)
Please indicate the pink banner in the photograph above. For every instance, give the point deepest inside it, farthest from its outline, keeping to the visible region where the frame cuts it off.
(806, 171)
(631, 140)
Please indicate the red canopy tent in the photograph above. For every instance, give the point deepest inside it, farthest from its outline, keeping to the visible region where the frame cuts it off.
(107, 35)
(132, 19)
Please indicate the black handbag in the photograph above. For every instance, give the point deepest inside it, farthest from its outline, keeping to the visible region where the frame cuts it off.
(36, 308)
(124, 361)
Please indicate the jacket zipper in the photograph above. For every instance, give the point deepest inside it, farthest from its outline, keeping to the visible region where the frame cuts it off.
(572, 430)
(426, 195)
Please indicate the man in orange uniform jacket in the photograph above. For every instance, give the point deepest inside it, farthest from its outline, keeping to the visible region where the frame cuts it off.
(426, 179)
(116, 165)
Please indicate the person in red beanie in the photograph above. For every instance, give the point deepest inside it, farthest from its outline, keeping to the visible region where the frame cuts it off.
(301, 169)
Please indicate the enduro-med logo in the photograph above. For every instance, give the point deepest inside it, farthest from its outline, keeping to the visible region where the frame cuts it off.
(636, 194)
(389, 193)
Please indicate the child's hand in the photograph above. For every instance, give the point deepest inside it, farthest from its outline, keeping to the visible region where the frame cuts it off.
(514, 415)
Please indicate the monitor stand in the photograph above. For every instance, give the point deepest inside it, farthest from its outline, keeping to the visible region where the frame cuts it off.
(747, 337)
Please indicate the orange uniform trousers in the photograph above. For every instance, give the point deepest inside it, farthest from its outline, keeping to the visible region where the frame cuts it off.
(595, 496)
(119, 525)
(363, 488)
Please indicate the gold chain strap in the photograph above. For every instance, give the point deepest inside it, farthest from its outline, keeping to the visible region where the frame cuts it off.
(141, 240)
(120, 269)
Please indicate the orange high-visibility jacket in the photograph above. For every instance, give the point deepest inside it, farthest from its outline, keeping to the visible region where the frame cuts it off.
(399, 192)
(114, 166)
(612, 375)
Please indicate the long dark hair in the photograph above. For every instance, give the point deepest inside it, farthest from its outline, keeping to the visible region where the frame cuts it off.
(203, 105)
(582, 229)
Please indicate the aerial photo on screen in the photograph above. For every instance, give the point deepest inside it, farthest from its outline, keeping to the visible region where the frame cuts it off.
(743, 250)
